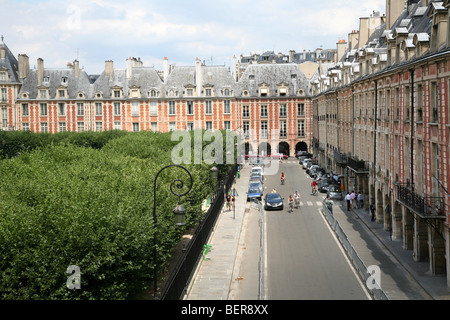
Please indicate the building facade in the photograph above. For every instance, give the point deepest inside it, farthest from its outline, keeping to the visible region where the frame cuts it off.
(269, 103)
(381, 120)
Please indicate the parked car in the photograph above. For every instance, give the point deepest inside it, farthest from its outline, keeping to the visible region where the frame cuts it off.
(256, 179)
(257, 174)
(258, 169)
(302, 158)
(324, 185)
(305, 162)
(254, 193)
(312, 170)
(256, 184)
(303, 153)
(308, 166)
(334, 192)
(273, 201)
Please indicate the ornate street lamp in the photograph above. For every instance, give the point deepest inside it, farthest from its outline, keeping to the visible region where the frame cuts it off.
(179, 213)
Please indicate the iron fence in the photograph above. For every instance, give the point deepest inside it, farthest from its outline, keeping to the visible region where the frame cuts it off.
(177, 282)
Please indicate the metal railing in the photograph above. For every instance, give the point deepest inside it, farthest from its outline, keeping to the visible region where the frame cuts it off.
(426, 207)
(176, 284)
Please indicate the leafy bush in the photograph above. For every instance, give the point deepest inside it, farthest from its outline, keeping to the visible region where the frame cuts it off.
(64, 204)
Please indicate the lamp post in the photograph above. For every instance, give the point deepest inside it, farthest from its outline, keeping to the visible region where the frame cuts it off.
(179, 213)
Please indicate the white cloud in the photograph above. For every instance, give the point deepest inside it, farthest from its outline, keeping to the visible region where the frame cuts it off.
(180, 30)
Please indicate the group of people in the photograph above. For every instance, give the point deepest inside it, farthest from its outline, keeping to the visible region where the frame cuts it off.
(353, 200)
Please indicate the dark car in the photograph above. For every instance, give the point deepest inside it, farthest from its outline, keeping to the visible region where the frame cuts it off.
(324, 185)
(334, 192)
(254, 193)
(273, 201)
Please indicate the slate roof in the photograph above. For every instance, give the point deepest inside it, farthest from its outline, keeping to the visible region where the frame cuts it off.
(273, 75)
(9, 63)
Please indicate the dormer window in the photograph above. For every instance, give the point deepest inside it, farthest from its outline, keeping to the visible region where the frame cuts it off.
(153, 93)
(43, 94)
(80, 95)
(46, 80)
(3, 76)
(98, 95)
(64, 80)
(264, 92)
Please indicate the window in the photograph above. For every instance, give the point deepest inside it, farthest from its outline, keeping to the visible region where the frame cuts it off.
(117, 125)
(135, 109)
(80, 109)
(98, 109)
(263, 92)
(154, 126)
(190, 126)
(283, 129)
(61, 109)
(43, 109)
(227, 125)
(25, 111)
(208, 92)
(245, 111)
(116, 93)
(264, 111)
(4, 117)
(190, 107)
(43, 94)
(226, 107)
(171, 107)
(64, 80)
(62, 127)
(209, 125)
(153, 109)
(99, 126)
(117, 108)
(172, 126)
(283, 92)
(153, 93)
(301, 109)
(3, 76)
(80, 126)
(263, 129)
(44, 127)
(4, 95)
(434, 102)
(283, 110)
(135, 126)
(62, 93)
(208, 107)
(25, 126)
(246, 128)
(301, 128)
(189, 92)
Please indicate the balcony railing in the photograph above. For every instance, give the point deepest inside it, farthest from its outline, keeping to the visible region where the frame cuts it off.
(340, 158)
(359, 166)
(425, 207)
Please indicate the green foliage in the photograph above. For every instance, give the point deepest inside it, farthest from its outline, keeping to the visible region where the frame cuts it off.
(87, 200)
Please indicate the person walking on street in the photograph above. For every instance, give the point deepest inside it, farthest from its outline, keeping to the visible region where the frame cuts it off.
(360, 200)
(353, 198)
(349, 201)
(372, 211)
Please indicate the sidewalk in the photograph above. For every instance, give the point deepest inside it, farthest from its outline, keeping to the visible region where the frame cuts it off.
(402, 278)
(212, 279)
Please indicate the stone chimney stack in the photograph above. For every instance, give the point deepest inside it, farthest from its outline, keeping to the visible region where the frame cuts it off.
(76, 68)
(40, 70)
(166, 69)
(24, 66)
(109, 69)
(2, 53)
(198, 76)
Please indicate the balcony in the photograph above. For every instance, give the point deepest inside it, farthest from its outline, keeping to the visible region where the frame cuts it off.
(424, 207)
(358, 166)
(340, 158)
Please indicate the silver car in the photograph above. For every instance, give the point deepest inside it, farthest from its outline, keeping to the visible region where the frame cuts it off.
(334, 192)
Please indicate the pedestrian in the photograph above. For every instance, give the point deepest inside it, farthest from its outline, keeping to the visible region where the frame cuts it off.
(353, 199)
(228, 199)
(349, 201)
(372, 211)
(329, 203)
(360, 200)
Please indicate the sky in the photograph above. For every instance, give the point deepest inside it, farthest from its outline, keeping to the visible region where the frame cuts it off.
(93, 31)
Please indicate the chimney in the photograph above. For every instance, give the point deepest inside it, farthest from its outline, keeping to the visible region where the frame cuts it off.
(76, 68)
(24, 66)
(198, 76)
(40, 64)
(109, 69)
(2, 52)
(291, 56)
(166, 69)
(394, 8)
(341, 47)
(129, 64)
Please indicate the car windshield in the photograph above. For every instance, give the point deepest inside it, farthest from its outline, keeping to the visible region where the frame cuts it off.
(253, 190)
(255, 185)
(334, 188)
(273, 197)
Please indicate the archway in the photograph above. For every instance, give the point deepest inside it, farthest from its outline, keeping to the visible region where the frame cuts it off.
(301, 146)
(248, 148)
(283, 147)
(264, 149)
